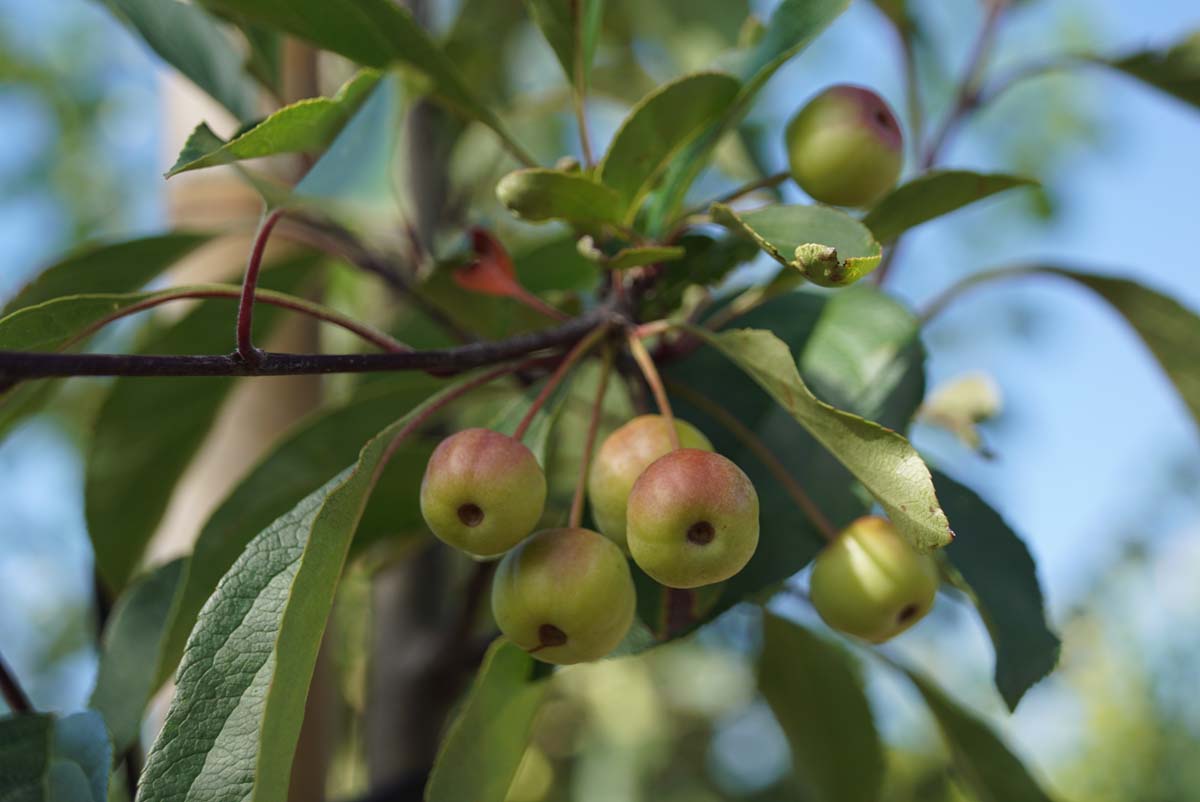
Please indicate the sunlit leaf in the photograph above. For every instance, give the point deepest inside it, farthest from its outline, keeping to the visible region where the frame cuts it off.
(658, 127)
(885, 462)
(827, 246)
(932, 195)
(539, 194)
(484, 745)
(307, 125)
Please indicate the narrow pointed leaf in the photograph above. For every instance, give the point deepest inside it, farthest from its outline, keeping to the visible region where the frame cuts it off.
(232, 727)
(985, 765)
(827, 246)
(307, 125)
(485, 743)
(883, 460)
(116, 267)
(539, 194)
(302, 462)
(997, 566)
(374, 33)
(131, 652)
(190, 40)
(148, 430)
(815, 690)
(792, 26)
(567, 24)
(1175, 70)
(658, 127)
(932, 195)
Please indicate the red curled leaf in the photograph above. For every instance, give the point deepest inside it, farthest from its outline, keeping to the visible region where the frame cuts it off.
(492, 272)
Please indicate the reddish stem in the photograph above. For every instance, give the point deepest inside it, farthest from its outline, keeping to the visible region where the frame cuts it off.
(245, 315)
(642, 357)
(576, 517)
(556, 378)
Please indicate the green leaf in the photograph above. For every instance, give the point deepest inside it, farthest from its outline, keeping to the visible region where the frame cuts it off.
(1002, 576)
(883, 460)
(131, 652)
(191, 41)
(827, 246)
(374, 33)
(298, 465)
(793, 25)
(44, 759)
(148, 430)
(658, 127)
(627, 258)
(706, 262)
(306, 125)
(1169, 329)
(809, 680)
(566, 24)
(1175, 71)
(240, 695)
(485, 743)
(118, 267)
(932, 195)
(985, 765)
(539, 194)
(858, 350)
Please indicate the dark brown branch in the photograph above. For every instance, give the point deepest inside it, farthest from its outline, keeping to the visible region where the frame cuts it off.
(19, 365)
(12, 691)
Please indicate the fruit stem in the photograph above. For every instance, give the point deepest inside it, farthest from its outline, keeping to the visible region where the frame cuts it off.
(573, 356)
(448, 396)
(245, 314)
(646, 363)
(576, 518)
(765, 456)
(14, 694)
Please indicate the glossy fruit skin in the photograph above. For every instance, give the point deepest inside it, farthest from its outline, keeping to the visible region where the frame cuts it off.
(692, 519)
(620, 461)
(564, 595)
(845, 146)
(870, 583)
(483, 492)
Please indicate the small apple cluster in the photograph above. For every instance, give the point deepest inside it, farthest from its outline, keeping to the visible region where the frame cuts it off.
(686, 515)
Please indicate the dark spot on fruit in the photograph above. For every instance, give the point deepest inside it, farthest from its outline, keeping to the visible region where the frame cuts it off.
(883, 118)
(550, 635)
(908, 613)
(470, 515)
(701, 533)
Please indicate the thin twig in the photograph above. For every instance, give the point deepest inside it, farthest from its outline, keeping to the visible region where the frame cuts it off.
(245, 313)
(764, 454)
(14, 694)
(575, 520)
(942, 301)
(646, 364)
(560, 373)
(579, 92)
(28, 365)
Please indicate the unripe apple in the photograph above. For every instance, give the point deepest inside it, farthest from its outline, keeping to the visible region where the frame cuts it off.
(870, 583)
(483, 492)
(692, 519)
(845, 147)
(620, 461)
(564, 595)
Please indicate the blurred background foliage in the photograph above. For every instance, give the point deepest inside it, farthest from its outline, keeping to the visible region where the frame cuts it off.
(1095, 461)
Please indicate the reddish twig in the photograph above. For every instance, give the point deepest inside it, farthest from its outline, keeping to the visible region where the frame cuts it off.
(576, 518)
(560, 373)
(245, 314)
(646, 364)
